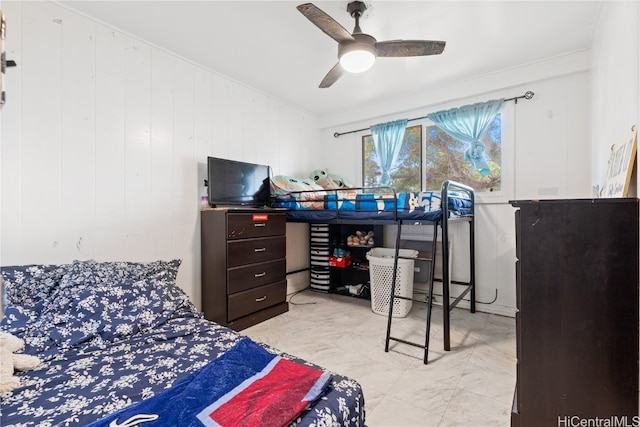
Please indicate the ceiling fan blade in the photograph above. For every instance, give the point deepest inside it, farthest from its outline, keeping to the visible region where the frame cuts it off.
(333, 75)
(410, 47)
(326, 23)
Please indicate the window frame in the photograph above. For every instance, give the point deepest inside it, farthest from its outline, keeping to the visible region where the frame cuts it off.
(507, 191)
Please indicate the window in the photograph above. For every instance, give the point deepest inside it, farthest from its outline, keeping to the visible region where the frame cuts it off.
(443, 159)
(406, 176)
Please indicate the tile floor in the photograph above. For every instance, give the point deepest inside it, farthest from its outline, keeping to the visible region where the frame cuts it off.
(471, 385)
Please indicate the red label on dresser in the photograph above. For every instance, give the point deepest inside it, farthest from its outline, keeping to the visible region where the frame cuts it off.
(260, 217)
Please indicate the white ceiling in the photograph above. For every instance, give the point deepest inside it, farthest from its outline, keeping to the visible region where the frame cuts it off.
(270, 46)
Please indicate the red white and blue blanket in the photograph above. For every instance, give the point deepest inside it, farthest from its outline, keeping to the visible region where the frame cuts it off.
(246, 386)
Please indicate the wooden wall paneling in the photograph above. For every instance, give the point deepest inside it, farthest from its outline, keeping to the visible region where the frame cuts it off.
(486, 232)
(274, 143)
(249, 116)
(184, 173)
(203, 126)
(250, 119)
(260, 130)
(577, 174)
(77, 136)
(552, 122)
(236, 147)
(203, 129)
(40, 189)
(544, 168)
(614, 92)
(10, 170)
(185, 196)
(221, 132)
(110, 183)
(137, 106)
(183, 134)
(162, 160)
(304, 142)
(292, 157)
(494, 223)
(504, 257)
(203, 135)
(459, 241)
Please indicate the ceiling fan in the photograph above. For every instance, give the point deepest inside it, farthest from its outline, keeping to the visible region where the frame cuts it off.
(357, 51)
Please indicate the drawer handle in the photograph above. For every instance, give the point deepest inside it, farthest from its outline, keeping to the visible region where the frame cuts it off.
(259, 224)
(256, 275)
(260, 249)
(261, 299)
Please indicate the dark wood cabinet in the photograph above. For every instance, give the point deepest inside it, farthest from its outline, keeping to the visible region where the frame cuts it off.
(577, 312)
(243, 266)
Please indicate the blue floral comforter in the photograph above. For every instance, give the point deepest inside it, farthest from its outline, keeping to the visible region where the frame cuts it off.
(113, 334)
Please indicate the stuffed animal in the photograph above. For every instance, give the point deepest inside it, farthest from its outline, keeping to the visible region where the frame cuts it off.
(361, 238)
(311, 196)
(329, 181)
(283, 184)
(10, 362)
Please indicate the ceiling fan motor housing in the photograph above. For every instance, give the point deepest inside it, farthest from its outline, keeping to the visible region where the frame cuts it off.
(362, 42)
(356, 8)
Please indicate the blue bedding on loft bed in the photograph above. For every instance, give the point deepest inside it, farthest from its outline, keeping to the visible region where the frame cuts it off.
(380, 203)
(113, 334)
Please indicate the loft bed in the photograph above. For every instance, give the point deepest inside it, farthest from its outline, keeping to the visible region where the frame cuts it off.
(121, 344)
(383, 205)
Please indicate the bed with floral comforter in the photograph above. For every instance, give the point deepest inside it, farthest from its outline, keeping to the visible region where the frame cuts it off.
(113, 334)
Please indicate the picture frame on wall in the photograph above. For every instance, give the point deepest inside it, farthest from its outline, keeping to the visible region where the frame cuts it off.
(622, 163)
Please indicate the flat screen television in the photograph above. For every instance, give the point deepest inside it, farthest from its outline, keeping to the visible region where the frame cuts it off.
(234, 183)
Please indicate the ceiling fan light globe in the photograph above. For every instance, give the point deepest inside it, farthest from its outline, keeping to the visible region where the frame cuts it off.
(357, 60)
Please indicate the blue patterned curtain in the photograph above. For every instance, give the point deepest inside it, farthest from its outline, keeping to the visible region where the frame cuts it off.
(467, 124)
(387, 140)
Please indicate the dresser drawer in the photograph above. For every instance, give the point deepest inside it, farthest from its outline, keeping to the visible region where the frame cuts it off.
(262, 224)
(246, 302)
(242, 252)
(254, 275)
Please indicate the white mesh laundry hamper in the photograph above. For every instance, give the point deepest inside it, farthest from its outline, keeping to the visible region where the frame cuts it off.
(381, 277)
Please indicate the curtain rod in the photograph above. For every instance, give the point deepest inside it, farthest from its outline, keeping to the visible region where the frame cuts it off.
(527, 95)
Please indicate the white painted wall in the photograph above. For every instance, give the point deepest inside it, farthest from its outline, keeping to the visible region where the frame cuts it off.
(105, 138)
(550, 157)
(615, 84)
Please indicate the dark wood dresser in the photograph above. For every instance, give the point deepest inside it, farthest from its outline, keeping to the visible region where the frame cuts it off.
(577, 312)
(243, 266)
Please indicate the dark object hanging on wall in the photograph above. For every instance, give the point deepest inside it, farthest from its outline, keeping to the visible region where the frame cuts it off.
(4, 63)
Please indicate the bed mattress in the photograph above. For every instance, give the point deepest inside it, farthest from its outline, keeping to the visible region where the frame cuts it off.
(346, 205)
(113, 334)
